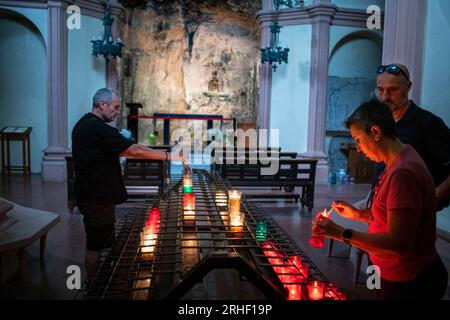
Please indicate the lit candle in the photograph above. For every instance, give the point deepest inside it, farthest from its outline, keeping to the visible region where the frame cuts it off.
(261, 230)
(236, 222)
(189, 207)
(221, 199)
(148, 242)
(315, 290)
(188, 215)
(224, 215)
(297, 261)
(300, 266)
(189, 201)
(237, 219)
(234, 202)
(318, 241)
(187, 184)
(295, 291)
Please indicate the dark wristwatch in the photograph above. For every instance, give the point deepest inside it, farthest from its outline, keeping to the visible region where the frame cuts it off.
(347, 235)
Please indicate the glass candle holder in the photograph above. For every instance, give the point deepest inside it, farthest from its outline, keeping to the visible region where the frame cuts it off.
(318, 241)
(234, 201)
(261, 230)
(187, 184)
(300, 266)
(221, 199)
(148, 242)
(189, 207)
(188, 215)
(236, 223)
(236, 219)
(315, 290)
(294, 291)
(189, 201)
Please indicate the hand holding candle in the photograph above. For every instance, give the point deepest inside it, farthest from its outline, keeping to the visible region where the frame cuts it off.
(323, 226)
(317, 240)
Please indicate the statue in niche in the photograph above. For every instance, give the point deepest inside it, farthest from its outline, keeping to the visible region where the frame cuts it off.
(213, 84)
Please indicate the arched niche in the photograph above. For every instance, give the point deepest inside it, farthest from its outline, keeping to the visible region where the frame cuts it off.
(352, 80)
(23, 82)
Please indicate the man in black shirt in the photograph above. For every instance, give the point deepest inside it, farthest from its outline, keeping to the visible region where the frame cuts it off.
(99, 186)
(417, 127)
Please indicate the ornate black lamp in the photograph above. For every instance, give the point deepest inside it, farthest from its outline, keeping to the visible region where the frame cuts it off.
(275, 54)
(107, 46)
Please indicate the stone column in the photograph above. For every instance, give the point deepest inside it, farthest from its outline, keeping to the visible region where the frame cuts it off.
(321, 15)
(265, 85)
(53, 164)
(404, 32)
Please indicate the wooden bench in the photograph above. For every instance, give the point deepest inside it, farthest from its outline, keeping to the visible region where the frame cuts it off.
(140, 175)
(27, 226)
(290, 173)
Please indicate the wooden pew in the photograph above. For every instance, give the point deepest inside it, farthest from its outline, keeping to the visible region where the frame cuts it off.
(290, 173)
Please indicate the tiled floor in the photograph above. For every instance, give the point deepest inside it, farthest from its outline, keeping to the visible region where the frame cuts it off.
(65, 242)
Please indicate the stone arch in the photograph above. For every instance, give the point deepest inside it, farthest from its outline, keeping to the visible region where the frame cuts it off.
(351, 81)
(24, 79)
(15, 15)
(363, 34)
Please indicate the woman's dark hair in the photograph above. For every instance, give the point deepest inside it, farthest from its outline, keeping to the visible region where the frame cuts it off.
(372, 113)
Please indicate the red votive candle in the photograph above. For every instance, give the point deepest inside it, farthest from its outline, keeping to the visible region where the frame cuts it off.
(318, 241)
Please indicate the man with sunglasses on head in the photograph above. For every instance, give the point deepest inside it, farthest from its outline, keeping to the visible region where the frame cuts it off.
(424, 131)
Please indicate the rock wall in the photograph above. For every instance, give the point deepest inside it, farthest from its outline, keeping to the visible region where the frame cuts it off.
(219, 76)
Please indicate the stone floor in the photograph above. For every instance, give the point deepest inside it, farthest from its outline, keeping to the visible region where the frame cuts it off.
(65, 242)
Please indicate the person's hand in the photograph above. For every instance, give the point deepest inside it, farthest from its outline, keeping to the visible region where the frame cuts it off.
(323, 226)
(344, 209)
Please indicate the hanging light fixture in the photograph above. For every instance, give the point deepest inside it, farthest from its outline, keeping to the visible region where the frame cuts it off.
(275, 54)
(107, 46)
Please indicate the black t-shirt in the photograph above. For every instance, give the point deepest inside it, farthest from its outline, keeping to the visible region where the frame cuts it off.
(430, 137)
(96, 147)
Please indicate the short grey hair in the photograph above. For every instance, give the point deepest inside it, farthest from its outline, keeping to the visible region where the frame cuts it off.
(105, 95)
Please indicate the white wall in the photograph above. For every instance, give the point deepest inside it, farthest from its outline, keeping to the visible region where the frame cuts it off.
(86, 74)
(290, 89)
(436, 67)
(436, 72)
(24, 81)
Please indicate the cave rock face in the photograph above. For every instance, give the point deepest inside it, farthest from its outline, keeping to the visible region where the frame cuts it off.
(196, 57)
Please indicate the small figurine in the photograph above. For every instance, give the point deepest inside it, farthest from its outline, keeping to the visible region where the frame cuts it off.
(213, 84)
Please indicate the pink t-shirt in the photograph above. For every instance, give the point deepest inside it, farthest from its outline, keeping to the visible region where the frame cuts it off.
(406, 184)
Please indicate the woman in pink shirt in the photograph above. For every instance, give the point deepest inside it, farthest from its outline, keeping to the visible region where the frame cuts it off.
(402, 220)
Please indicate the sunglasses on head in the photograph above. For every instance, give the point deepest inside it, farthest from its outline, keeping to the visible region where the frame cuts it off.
(392, 69)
